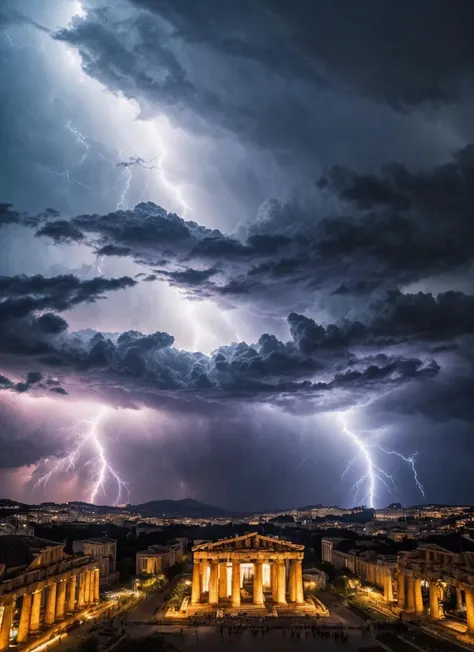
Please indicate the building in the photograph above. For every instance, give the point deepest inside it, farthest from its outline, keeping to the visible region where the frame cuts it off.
(436, 571)
(104, 551)
(40, 585)
(314, 579)
(16, 528)
(157, 559)
(327, 547)
(375, 562)
(246, 571)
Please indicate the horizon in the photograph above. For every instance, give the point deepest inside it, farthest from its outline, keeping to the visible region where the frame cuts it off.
(247, 511)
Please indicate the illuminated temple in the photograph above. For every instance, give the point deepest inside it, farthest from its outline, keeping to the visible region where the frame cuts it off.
(41, 585)
(246, 573)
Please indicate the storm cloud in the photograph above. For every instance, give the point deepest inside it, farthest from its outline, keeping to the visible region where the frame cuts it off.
(294, 182)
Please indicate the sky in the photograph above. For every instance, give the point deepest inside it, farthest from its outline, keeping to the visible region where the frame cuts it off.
(236, 258)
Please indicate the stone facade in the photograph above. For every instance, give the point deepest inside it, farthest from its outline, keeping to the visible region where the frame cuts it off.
(40, 585)
(271, 568)
(157, 559)
(104, 551)
(376, 569)
(426, 574)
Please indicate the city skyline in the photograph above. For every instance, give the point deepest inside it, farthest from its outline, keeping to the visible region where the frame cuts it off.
(235, 252)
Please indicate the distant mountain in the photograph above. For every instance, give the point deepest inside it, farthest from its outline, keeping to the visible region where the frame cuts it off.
(180, 509)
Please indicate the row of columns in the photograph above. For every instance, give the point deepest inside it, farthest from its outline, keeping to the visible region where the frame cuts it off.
(409, 593)
(218, 582)
(410, 598)
(60, 599)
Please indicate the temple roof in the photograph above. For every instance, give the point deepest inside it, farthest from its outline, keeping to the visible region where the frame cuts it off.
(249, 542)
(19, 550)
(99, 540)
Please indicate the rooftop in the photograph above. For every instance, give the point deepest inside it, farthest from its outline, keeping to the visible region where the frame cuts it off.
(19, 550)
(100, 540)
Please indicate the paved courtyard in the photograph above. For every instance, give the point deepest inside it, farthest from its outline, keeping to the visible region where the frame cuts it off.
(208, 639)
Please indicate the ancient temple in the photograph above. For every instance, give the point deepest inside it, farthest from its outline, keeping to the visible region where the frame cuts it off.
(248, 570)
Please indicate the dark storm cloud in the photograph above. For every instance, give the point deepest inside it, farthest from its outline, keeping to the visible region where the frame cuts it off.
(27, 327)
(5, 383)
(298, 86)
(35, 380)
(394, 228)
(411, 53)
(315, 363)
(61, 231)
(21, 296)
(267, 74)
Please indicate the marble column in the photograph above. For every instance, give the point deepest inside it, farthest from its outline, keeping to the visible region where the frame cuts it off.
(299, 581)
(82, 591)
(60, 599)
(410, 593)
(196, 583)
(274, 580)
(87, 589)
(258, 583)
(223, 593)
(204, 565)
(459, 603)
(388, 588)
(25, 615)
(292, 581)
(96, 585)
(71, 599)
(418, 596)
(213, 586)
(401, 595)
(434, 601)
(281, 582)
(235, 583)
(469, 611)
(35, 621)
(91, 587)
(50, 605)
(7, 620)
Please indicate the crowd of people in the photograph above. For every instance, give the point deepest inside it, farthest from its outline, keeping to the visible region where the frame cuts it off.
(295, 631)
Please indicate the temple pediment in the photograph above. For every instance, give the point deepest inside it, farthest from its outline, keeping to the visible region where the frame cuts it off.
(252, 542)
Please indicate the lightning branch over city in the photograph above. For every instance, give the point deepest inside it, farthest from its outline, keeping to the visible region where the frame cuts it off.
(101, 472)
(374, 475)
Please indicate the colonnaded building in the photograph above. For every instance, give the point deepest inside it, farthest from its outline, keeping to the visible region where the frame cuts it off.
(434, 573)
(246, 573)
(435, 580)
(41, 585)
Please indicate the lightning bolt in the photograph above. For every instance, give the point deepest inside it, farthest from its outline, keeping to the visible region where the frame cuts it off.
(102, 471)
(174, 190)
(25, 46)
(127, 165)
(70, 175)
(374, 474)
(81, 140)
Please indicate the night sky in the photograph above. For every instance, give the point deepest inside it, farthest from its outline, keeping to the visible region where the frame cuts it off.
(237, 251)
